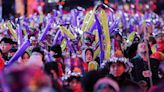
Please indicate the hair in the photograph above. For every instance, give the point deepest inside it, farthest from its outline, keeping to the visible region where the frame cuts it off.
(152, 39)
(110, 63)
(39, 50)
(6, 40)
(25, 53)
(51, 66)
(57, 49)
(12, 50)
(91, 50)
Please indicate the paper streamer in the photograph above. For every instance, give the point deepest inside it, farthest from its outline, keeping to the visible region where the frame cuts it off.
(45, 30)
(68, 33)
(100, 39)
(106, 33)
(18, 53)
(11, 30)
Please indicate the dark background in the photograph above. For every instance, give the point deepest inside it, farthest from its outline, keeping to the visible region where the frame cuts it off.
(8, 6)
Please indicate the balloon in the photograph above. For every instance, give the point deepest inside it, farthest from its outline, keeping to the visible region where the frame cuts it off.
(96, 53)
(92, 28)
(100, 39)
(18, 53)
(106, 34)
(68, 33)
(63, 44)
(45, 31)
(56, 37)
(69, 44)
(74, 15)
(114, 25)
(12, 30)
(88, 21)
(131, 37)
(93, 65)
(20, 37)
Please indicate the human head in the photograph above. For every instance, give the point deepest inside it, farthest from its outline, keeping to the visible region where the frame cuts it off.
(106, 85)
(118, 36)
(159, 36)
(89, 53)
(119, 65)
(142, 48)
(37, 57)
(28, 77)
(51, 68)
(74, 82)
(38, 51)
(56, 51)
(25, 57)
(5, 44)
(12, 51)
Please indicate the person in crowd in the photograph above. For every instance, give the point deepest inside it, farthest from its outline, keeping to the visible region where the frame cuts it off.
(140, 71)
(56, 53)
(132, 48)
(2, 62)
(52, 69)
(119, 70)
(77, 65)
(159, 87)
(159, 37)
(158, 48)
(152, 41)
(24, 58)
(88, 58)
(89, 79)
(11, 53)
(72, 82)
(31, 79)
(89, 53)
(106, 85)
(37, 57)
(5, 45)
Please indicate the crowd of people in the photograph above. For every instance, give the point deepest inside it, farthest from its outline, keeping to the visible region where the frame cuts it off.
(102, 50)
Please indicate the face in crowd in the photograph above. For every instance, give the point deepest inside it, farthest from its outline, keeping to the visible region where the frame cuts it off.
(25, 57)
(160, 38)
(117, 69)
(142, 48)
(88, 55)
(5, 47)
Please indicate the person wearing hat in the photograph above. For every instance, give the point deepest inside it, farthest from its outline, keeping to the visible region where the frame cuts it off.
(5, 46)
(119, 70)
(159, 37)
(72, 82)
